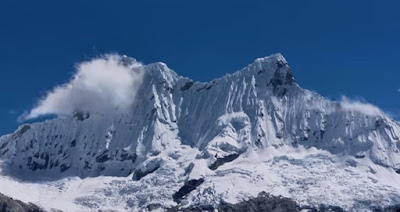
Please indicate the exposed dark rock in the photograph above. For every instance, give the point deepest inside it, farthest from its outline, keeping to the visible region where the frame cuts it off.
(394, 208)
(208, 86)
(187, 188)
(329, 208)
(202, 88)
(103, 157)
(87, 165)
(351, 162)
(81, 116)
(34, 165)
(280, 64)
(64, 167)
(322, 133)
(281, 80)
(190, 209)
(139, 174)
(155, 153)
(126, 156)
(269, 203)
(169, 89)
(5, 151)
(31, 143)
(261, 71)
(73, 143)
(21, 131)
(61, 150)
(221, 161)
(323, 208)
(3, 145)
(153, 207)
(189, 168)
(359, 156)
(8, 204)
(263, 202)
(187, 86)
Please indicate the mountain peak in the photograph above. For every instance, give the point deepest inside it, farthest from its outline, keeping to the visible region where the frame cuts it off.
(129, 61)
(269, 64)
(190, 142)
(272, 58)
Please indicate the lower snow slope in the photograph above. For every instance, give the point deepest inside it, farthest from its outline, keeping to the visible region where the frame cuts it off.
(311, 177)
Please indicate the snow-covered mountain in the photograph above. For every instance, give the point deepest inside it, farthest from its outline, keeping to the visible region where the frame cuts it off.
(191, 144)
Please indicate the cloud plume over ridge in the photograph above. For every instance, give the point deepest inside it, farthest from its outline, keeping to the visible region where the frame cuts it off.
(362, 107)
(100, 85)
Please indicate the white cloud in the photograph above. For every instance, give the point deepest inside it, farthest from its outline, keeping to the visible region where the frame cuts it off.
(358, 106)
(101, 85)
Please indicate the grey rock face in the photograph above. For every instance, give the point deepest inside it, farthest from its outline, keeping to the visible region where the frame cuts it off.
(262, 203)
(187, 188)
(8, 204)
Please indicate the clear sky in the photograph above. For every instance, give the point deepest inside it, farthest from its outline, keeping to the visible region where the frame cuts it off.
(336, 48)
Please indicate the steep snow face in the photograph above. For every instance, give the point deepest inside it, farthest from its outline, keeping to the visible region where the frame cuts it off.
(180, 130)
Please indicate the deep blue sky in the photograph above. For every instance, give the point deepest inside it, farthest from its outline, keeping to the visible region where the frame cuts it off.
(336, 48)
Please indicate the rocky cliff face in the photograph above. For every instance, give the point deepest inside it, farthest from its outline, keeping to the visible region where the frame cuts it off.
(180, 130)
(8, 204)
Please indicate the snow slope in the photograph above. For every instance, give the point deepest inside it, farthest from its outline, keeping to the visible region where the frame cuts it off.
(228, 139)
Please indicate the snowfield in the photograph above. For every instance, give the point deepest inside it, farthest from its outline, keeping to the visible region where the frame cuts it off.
(185, 144)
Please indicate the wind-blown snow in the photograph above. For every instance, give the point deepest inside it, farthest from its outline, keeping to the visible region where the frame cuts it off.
(251, 131)
(357, 106)
(100, 85)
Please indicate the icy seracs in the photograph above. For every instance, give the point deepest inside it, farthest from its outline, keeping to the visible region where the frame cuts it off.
(226, 140)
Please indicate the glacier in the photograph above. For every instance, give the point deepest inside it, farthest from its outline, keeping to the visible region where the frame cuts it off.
(185, 143)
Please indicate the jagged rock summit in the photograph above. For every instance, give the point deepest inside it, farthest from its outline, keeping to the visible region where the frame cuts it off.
(184, 143)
